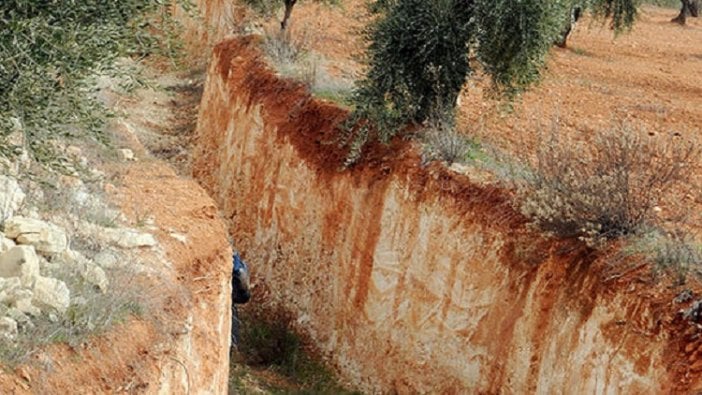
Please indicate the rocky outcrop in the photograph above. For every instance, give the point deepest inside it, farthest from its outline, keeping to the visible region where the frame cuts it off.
(413, 279)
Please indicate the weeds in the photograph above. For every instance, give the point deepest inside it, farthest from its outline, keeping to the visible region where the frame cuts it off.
(267, 341)
(291, 56)
(673, 253)
(442, 142)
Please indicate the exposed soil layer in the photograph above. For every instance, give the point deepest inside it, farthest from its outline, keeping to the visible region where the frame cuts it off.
(413, 278)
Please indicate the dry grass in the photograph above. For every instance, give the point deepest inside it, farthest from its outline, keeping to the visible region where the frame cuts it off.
(91, 312)
(441, 141)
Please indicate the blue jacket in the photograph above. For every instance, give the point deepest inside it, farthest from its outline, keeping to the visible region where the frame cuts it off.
(240, 280)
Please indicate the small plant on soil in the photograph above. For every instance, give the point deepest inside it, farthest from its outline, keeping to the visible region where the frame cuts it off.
(674, 253)
(608, 188)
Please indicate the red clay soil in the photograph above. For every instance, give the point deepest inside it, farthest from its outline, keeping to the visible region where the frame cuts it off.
(310, 126)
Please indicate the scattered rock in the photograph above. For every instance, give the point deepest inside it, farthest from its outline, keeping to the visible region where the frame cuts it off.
(684, 296)
(97, 174)
(5, 243)
(694, 312)
(89, 270)
(16, 137)
(52, 293)
(22, 262)
(45, 237)
(23, 302)
(106, 259)
(460, 168)
(21, 318)
(8, 328)
(94, 275)
(70, 182)
(180, 237)
(11, 197)
(73, 151)
(127, 154)
(8, 286)
(128, 238)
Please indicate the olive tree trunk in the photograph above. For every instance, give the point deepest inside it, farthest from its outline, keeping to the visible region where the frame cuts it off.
(575, 14)
(289, 4)
(688, 8)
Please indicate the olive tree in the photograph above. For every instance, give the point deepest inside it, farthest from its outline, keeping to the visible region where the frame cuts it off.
(48, 49)
(420, 53)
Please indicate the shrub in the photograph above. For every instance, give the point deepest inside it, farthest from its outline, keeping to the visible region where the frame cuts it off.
(605, 189)
(291, 57)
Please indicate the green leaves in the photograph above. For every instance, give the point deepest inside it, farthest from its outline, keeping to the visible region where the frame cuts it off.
(418, 54)
(514, 38)
(48, 48)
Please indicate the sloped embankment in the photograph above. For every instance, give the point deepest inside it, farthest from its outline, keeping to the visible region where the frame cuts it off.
(413, 279)
(181, 344)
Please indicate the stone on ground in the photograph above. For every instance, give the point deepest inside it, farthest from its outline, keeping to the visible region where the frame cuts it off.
(51, 293)
(8, 328)
(45, 237)
(20, 261)
(11, 197)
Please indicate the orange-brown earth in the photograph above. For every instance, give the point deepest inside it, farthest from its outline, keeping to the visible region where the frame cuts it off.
(648, 78)
(413, 279)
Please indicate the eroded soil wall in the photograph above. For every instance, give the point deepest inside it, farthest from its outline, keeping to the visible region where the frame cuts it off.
(409, 278)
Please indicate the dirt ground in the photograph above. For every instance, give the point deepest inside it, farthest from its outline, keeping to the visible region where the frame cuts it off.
(649, 78)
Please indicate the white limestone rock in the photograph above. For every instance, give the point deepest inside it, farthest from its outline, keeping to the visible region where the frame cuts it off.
(47, 238)
(20, 261)
(5, 243)
(8, 328)
(51, 293)
(11, 197)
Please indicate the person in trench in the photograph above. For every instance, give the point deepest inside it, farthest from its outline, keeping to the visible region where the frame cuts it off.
(240, 294)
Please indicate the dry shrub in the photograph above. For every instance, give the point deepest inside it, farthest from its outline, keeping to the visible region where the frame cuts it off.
(675, 253)
(608, 188)
(290, 55)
